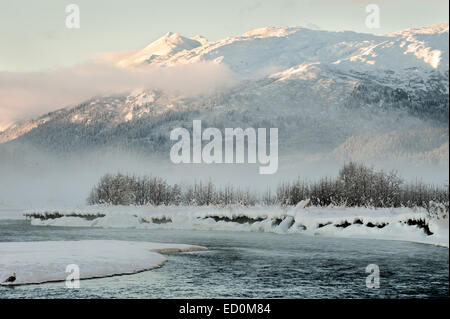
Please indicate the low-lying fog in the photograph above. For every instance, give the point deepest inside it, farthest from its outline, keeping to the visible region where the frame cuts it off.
(31, 180)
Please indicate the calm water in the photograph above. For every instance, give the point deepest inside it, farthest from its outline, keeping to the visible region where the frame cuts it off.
(251, 265)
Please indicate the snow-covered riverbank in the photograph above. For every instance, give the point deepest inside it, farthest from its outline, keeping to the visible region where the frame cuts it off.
(46, 261)
(405, 224)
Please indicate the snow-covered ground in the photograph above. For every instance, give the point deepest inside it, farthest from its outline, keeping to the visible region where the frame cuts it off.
(405, 224)
(46, 261)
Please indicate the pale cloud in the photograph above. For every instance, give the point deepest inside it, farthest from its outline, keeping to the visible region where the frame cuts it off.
(24, 95)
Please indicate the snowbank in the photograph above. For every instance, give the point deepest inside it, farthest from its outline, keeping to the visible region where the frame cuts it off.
(383, 223)
(46, 261)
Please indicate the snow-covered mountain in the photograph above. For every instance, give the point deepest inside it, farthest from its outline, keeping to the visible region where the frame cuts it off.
(279, 48)
(319, 88)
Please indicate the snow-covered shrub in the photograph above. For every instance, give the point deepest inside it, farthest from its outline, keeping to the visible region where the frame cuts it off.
(438, 210)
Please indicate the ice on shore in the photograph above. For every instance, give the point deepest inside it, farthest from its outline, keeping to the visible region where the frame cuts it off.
(46, 261)
(407, 224)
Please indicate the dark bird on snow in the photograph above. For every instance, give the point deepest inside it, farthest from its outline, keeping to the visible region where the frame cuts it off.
(11, 279)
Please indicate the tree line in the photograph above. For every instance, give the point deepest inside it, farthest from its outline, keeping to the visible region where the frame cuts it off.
(355, 186)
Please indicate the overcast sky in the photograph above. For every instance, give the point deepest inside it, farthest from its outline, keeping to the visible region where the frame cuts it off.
(34, 37)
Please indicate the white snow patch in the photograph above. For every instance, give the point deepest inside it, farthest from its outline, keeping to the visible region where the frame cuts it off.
(46, 261)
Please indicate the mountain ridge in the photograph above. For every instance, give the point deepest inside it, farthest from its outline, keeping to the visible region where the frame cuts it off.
(317, 104)
(406, 46)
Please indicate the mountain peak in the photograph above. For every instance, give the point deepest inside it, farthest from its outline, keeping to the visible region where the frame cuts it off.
(171, 37)
(200, 39)
(168, 44)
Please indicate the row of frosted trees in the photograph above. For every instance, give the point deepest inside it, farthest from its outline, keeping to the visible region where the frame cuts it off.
(355, 185)
(358, 185)
(123, 189)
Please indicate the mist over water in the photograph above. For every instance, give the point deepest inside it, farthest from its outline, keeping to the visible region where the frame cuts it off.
(30, 179)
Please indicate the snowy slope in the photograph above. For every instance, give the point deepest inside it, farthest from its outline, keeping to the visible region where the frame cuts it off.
(46, 261)
(19, 129)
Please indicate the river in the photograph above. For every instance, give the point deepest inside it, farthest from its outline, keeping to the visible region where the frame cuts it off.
(250, 265)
